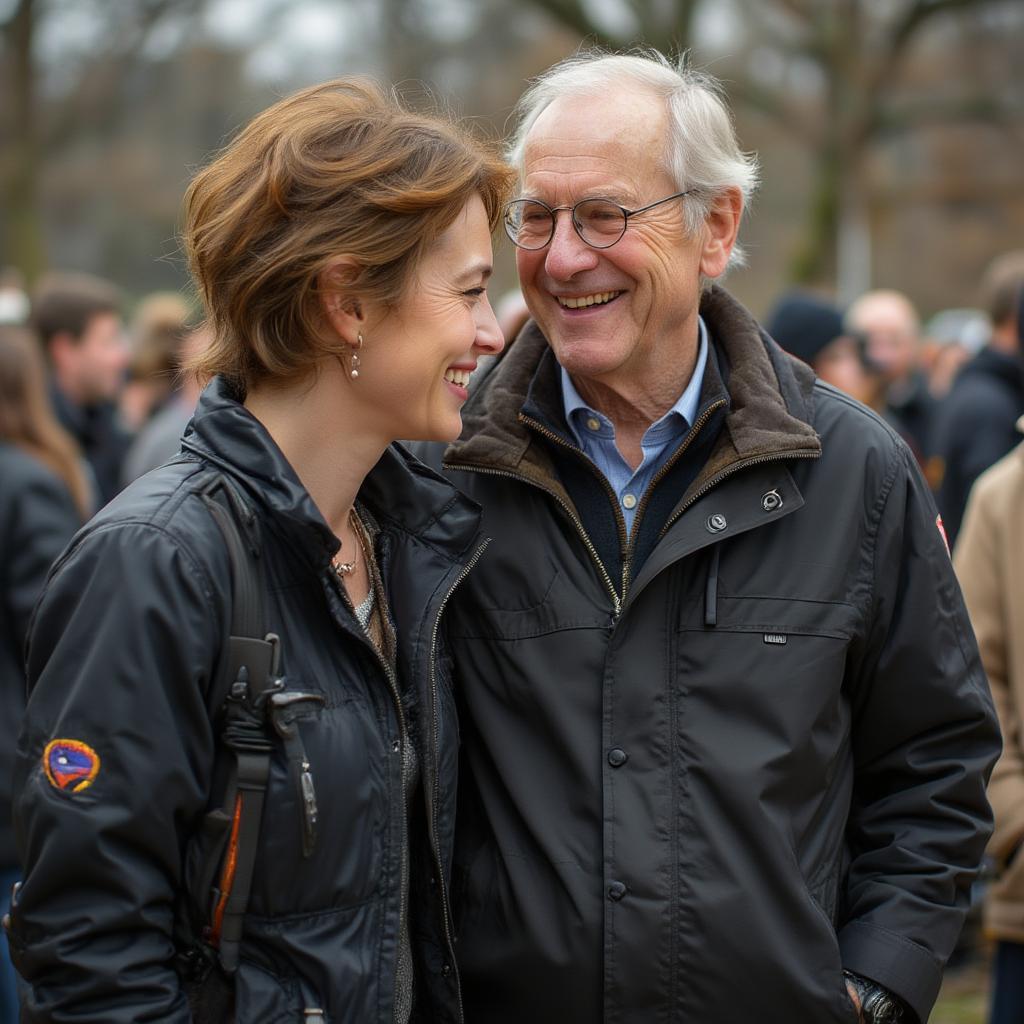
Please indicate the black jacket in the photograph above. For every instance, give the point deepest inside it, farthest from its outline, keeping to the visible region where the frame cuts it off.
(976, 427)
(37, 519)
(125, 645)
(698, 792)
(104, 442)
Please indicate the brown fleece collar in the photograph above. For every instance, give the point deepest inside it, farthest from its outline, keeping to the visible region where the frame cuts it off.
(770, 393)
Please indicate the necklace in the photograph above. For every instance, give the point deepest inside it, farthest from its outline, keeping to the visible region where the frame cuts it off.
(344, 569)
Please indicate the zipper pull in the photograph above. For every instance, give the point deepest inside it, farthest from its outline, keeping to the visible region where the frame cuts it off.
(307, 794)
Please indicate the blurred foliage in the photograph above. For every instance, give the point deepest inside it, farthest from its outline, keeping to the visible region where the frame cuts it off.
(880, 123)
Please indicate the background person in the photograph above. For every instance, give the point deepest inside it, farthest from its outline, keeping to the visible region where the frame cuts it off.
(977, 425)
(891, 328)
(43, 500)
(989, 561)
(78, 322)
(342, 246)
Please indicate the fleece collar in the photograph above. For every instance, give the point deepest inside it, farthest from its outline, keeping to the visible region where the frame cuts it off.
(770, 410)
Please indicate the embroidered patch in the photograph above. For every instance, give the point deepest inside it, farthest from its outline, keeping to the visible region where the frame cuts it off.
(70, 765)
(775, 638)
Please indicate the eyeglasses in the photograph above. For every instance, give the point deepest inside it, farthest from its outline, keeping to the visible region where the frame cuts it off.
(530, 224)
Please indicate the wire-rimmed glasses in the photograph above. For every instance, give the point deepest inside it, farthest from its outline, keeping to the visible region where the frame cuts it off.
(530, 224)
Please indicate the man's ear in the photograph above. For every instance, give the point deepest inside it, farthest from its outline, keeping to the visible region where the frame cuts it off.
(720, 229)
(61, 347)
(341, 306)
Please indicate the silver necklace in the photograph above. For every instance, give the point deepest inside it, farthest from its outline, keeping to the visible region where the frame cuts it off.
(344, 569)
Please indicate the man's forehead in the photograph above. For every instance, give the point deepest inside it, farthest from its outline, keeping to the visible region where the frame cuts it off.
(581, 138)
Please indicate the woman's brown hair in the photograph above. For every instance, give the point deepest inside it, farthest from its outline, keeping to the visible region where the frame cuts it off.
(26, 416)
(339, 169)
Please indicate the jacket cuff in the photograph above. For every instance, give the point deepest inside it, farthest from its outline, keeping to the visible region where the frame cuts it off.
(903, 967)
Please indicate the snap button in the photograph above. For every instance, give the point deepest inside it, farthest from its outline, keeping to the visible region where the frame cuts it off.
(629, 500)
(771, 501)
(446, 970)
(617, 757)
(593, 423)
(717, 523)
(396, 746)
(616, 891)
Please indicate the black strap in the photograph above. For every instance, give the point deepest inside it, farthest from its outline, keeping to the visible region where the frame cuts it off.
(241, 691)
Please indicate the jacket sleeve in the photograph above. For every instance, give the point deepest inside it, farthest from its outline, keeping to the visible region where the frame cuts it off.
(981, 558)
(43, 521)
(120, 654)
(924, 739)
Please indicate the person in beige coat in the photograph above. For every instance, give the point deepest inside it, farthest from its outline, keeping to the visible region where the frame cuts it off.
(989, 560)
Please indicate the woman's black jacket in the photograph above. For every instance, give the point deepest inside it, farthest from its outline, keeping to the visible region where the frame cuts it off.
(37, 519)
(124, 647)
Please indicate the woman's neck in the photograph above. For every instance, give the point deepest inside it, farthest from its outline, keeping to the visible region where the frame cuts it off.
(316, 430)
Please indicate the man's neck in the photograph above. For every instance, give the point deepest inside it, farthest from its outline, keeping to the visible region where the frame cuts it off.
(633, 405)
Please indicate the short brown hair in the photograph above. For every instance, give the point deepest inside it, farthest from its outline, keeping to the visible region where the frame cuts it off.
(341, 168)
(66, 302)
(1002, 286)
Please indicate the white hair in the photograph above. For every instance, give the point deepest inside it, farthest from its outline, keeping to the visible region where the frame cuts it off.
(702, 152)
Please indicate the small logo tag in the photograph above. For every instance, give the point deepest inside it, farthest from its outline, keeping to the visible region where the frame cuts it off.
(775, 638)
(70, 765)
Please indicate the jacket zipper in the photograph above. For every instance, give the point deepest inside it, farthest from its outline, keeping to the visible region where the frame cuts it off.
(435, 841)
(616, 602)
(405, 871)
(627, 564)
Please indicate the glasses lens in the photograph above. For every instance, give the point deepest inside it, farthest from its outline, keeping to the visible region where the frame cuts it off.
(528, 224)
(599, 222)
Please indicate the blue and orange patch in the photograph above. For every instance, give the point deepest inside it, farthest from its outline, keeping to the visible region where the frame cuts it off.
(70, 765)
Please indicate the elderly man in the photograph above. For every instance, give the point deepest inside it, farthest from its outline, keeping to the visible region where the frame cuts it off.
(725, 730)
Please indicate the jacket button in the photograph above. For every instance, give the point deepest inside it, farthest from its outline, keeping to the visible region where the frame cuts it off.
(446, 971)
(616, 891)
(617, 757)
(716, 523)
(771, 501)
(396, 746)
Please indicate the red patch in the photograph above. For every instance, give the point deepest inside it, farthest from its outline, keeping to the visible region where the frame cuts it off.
(942, 530)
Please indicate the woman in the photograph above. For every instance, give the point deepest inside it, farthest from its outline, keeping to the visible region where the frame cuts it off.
(43, 497)
(342, 247)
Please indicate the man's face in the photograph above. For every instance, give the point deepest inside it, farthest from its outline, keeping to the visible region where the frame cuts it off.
(890, 326)
(647, 286)
(99, 359)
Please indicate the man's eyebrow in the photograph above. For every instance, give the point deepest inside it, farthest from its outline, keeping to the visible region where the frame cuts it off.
(474, 272)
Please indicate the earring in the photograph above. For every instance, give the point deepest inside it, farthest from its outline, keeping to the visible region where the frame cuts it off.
(354, 362)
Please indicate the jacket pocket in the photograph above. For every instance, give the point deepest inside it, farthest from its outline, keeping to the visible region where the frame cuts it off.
(262, 997)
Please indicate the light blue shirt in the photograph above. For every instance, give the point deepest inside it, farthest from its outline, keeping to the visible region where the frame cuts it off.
(595, 434)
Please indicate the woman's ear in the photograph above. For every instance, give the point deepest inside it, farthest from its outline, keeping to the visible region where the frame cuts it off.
(341, 306)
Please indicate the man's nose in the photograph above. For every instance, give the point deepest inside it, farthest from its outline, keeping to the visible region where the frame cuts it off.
(567, 253)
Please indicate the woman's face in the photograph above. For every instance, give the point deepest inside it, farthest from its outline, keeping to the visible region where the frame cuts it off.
(415, 362)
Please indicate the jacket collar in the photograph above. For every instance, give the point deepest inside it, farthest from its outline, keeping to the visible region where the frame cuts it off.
(400, 492)
(769, 416)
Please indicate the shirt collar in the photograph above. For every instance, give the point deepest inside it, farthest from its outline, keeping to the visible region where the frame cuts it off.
(685, 407)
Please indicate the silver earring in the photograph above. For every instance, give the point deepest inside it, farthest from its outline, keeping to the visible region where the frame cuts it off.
(354, 362)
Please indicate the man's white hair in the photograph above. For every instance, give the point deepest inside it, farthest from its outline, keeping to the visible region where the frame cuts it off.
(701, 152)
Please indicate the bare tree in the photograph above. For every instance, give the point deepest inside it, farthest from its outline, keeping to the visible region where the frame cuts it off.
(88, 101)
(858, 50)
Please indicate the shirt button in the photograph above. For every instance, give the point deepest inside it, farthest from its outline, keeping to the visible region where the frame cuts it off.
(617, 757)
(616, 891)
(629, 500)
(593, 423)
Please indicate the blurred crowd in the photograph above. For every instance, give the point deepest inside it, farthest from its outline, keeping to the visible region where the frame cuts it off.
(89, 402)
